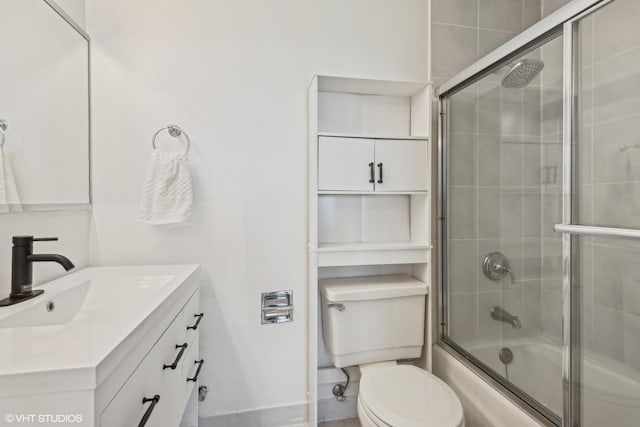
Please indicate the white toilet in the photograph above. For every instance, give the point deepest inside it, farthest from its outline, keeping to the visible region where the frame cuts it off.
(372, 322)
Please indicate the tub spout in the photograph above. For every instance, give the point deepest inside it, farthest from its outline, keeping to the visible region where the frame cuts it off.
(498, 313)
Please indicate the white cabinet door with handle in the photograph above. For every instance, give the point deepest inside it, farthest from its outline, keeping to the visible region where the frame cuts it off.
(401, 165)
(345, 164)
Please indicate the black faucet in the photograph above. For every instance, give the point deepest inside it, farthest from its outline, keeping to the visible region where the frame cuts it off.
(22, 259)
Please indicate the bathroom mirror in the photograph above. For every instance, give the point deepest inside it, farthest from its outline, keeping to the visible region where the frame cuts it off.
(44, 102)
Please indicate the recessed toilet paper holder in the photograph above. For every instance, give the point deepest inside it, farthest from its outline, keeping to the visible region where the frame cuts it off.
(277, 307)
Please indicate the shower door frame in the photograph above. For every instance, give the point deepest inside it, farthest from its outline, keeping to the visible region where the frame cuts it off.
(562, 23)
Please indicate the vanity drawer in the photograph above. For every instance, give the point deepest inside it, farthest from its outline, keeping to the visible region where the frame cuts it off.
(154, 376)
(192, 316)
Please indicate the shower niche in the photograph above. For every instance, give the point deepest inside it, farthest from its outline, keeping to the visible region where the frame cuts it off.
(369, 200)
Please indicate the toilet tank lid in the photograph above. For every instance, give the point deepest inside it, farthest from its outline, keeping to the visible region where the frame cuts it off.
(372, 287)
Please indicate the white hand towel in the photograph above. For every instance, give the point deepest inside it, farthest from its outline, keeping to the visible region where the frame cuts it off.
(167, 194)
(9, 199)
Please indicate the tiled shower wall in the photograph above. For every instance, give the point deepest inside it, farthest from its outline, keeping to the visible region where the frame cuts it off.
(609, 180)
(495, 170)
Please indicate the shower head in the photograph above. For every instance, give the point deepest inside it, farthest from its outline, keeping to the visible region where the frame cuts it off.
(522, 73)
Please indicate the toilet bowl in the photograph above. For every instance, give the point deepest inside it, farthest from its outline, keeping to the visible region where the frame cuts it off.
(406, 396)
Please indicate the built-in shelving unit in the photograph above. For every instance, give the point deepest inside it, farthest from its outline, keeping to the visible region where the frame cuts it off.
(369, 190)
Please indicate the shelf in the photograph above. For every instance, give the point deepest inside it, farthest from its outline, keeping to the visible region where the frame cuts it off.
(370, 87)
(370, 253)
(370, 246)
(366, 136)
(372, 193)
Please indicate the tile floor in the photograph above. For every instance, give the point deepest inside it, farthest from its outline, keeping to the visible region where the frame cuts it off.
(349, 422)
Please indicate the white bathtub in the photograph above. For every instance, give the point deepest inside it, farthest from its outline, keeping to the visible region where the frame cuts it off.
(611, 390)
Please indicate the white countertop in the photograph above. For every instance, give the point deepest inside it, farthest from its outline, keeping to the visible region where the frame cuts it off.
(102, 312)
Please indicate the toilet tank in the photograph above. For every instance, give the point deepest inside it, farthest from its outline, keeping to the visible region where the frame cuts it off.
(373, 319)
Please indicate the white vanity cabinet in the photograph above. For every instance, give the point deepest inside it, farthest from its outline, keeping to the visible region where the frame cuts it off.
(116, 338)
(364, 164)
(161, 385)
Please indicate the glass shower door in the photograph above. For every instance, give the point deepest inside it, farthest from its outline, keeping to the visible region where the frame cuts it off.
(503, 261)
(605, 250)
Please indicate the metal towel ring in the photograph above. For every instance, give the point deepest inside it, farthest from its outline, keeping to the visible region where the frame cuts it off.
(174, 130)
(3, 127)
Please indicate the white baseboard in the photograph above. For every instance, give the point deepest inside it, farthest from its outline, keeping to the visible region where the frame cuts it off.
(280, 416)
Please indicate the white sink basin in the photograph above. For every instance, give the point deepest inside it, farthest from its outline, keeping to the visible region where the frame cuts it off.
(80, 300)
(84, 323)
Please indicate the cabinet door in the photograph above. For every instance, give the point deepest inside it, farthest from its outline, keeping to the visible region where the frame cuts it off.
(344, 164)
(401, 165)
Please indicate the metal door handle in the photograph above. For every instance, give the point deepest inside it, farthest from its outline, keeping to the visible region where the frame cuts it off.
(380, 181)
(195, 377)
(154, 401)
(195, 325)
(174, 365)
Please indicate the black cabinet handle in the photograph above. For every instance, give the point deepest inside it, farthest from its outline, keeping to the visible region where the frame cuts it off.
(195, 325)
(195, 377)
(154, 401)
(380, 180)
(372, 173)
(174, 365)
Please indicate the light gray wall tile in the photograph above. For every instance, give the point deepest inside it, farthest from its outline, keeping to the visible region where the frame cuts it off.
(463, 208)
(461, 12)
(613, 165)
(511, 111)
(552, 314)
(501, 15)
(532, 259)
(488, 328)
(616, 205)
(462, 155)
(616, 28)
(616, 86)
(463, 311)
(608, 332)
(608, 271)
(489, 40)
(463, 273)
(532, 12)
(532, 307)
(532, 111)
(499, 161)
(462, 111)
(552, 108)
(453, 49)
(512, 301)
(550, 6)
(532, 162)
(489, 108)
(631, 337)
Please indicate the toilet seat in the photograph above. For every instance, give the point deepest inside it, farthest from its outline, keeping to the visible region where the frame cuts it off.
(407, 396)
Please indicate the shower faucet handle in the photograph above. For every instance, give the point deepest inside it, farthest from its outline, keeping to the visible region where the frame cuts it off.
(495, 266)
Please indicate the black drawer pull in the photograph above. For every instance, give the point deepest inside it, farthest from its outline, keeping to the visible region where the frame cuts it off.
(195, 325)
(380, 180)
(174, 365)
(372, 173)
(154, 401)
(195, 377)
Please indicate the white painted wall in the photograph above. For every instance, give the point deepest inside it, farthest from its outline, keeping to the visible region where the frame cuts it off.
(75, 9)
(235, 76)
